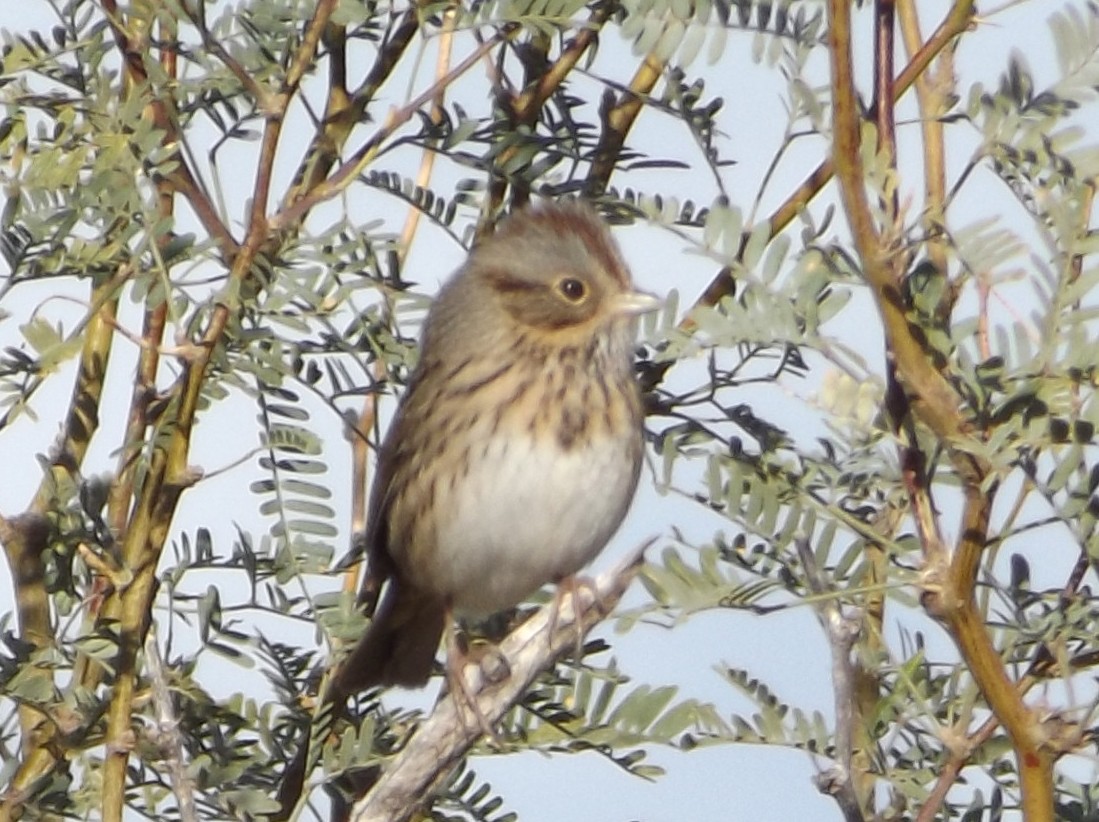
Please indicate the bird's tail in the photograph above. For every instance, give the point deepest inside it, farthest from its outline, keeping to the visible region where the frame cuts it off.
(398, 647)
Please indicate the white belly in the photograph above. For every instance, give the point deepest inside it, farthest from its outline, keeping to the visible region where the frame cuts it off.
(527, 514)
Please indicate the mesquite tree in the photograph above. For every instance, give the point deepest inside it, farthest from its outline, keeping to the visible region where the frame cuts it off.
(221, 226)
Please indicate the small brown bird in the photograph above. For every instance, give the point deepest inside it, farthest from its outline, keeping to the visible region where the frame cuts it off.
(516, 450)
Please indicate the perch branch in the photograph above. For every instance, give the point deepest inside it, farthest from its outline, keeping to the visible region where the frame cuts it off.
(448, 734)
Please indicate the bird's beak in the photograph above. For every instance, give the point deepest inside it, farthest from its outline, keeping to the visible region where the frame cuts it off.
(635, 302)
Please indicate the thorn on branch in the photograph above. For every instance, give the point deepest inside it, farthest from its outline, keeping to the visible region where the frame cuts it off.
(119, 577)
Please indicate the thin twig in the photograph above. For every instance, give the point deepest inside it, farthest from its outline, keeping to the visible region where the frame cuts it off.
(168, 738)
(842, 632)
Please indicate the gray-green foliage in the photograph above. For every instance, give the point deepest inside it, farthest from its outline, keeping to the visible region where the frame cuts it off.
(327, 318)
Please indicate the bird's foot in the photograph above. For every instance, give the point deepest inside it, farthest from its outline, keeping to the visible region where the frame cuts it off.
(456, 659)
(572, 585)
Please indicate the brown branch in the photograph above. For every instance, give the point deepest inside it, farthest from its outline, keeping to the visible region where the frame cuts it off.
(1042, 666)
(86, 672)
(867, 682)
(1034, 759)
(937, 404)
(933, 401)
(168, 475)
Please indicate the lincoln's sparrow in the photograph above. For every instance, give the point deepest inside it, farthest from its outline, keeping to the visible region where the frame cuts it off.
(516, 450)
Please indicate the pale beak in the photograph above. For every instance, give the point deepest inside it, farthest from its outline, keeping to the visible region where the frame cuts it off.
(634, 302)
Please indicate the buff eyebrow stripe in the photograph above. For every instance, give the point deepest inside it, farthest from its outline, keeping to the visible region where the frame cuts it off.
(507, 283)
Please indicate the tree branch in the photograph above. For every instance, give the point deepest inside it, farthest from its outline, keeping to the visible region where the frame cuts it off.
(365, 154)
(168, 475)
(930, 397)
(842, 632)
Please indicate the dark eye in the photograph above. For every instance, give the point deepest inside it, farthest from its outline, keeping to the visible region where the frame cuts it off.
(572, 289)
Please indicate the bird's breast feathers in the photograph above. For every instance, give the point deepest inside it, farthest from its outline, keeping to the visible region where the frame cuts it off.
(526, 512)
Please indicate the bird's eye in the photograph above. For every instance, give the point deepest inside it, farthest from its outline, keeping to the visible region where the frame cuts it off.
(572, 289)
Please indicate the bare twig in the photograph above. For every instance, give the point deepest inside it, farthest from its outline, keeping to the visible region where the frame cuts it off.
(842, 631)
(168, 738)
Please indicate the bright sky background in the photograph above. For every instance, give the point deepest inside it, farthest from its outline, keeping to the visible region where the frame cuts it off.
(785, 649)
